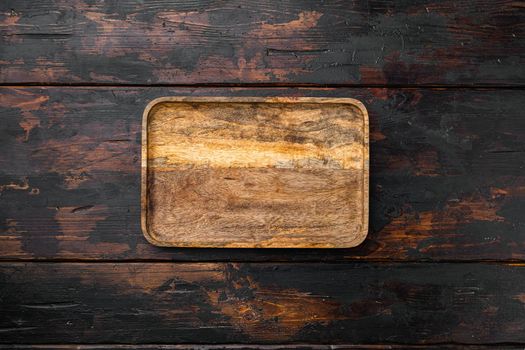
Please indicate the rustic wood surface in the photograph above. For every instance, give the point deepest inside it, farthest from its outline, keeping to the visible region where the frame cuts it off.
(262, 303)
(244, 41)
(443, 264)
(447, 175)
(250, 347)
(251, 172)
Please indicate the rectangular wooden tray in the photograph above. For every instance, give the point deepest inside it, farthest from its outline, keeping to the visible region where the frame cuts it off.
(255, 172)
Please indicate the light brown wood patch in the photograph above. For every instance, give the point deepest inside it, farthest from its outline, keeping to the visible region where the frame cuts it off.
(255, 172)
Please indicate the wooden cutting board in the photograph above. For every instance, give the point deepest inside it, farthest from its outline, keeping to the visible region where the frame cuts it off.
(255, 172)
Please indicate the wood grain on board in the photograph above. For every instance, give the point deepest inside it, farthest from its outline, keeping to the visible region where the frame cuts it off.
(446, 180)
(244, 41)
(255, 173)
(262, 303)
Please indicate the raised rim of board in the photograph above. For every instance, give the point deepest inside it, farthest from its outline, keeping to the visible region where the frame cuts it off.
(201, 99)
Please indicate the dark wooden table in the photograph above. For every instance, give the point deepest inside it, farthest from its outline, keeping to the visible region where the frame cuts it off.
(443, 265)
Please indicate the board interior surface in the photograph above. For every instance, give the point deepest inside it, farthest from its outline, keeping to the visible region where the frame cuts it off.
(255, 172)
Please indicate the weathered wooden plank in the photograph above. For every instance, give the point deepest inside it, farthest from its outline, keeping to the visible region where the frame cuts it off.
(447, 177)
(210, 41)
(262, 303)
(253, 347)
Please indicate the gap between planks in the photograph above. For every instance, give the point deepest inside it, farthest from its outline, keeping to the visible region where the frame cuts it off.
(270, 85)
(513, 263)
(302, 346)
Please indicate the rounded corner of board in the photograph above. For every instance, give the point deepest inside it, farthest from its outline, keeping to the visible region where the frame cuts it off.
(151, 239)
(150, 106)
